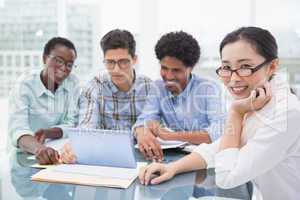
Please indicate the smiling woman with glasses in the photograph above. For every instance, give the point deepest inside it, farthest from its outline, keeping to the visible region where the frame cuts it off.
(45, 101)
(261, 140)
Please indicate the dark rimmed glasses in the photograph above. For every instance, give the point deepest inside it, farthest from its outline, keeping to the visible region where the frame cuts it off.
(225, 72)
(123, 63)
(60, 62)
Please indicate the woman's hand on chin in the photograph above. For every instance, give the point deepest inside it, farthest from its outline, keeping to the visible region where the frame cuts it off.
(257, 99)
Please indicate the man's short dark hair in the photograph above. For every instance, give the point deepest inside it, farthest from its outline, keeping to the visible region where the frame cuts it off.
(51, 44)
(180, 45)
(116, 39)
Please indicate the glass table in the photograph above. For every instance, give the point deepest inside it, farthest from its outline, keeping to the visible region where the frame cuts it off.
(15, 184)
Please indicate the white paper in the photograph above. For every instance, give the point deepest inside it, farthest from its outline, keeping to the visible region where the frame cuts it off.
(57, 144)
(211, 198)
(168, 144)
(189, 148)
(100, 171)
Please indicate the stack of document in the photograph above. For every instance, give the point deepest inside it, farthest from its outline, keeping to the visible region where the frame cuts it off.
(169, 144)
(189, 148)
(89, 175)
(211, 198)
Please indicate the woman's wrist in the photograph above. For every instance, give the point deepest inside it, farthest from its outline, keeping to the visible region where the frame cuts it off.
(237, 110)
(172, 168)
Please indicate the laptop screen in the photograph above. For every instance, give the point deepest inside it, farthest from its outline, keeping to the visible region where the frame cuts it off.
(112, 148)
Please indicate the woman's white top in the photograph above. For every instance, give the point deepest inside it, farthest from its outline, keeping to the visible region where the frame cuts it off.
(270, 152)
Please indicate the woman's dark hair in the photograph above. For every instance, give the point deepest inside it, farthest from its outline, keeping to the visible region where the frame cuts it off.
(116, 39)
(51, 44)
(180, 45)
(262, 40)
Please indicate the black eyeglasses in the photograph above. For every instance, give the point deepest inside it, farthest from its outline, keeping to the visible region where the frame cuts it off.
(60, 62)
(224, 71)
(123, 63)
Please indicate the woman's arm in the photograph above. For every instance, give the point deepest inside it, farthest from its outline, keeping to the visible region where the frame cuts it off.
(190, 162)
(233, 129)
(234, 164)
(262, 153)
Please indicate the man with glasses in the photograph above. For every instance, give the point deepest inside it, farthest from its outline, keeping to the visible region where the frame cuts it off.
(188, 105)
(114, 99)
(44, 102)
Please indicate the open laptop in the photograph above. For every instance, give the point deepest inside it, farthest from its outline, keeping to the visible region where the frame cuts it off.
(112, 148)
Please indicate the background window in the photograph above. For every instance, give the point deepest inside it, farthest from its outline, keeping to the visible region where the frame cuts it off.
(18, 60)
(27, 61)
(1, 60)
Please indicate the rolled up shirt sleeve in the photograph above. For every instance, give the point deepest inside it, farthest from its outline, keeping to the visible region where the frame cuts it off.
(208, 152)
(71, 117)
(18, 122)
(151, 110)
(260, 154)
(89, 116)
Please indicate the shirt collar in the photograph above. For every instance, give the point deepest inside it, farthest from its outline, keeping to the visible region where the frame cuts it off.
(114, 88)
(64, 84)
(41, 89)
(280, 97)
(280, 83)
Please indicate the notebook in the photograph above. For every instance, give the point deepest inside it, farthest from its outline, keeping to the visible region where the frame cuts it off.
(115, 177)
